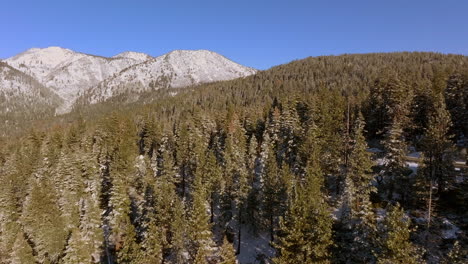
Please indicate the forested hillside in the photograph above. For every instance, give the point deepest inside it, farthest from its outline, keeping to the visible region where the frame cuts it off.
(337, 159)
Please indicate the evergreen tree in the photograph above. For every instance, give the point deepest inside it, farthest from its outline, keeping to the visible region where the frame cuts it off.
(200, 235)
(153, 242)
(76, 251)
(123, 231)
(290, 132)
(211, 173)
(456, 255)
(394, 241)
(238, 186)
(355, 230)
(394, 172)
(43, 222)
(305, 232)
(438, 149)
(227, 253)
(178, 232)
(360, 164)
(271, 192)
(201, 256)
(437, 168)
(21, 252)
(456, 98)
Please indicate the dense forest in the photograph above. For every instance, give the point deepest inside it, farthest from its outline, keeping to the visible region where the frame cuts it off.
(336, 159)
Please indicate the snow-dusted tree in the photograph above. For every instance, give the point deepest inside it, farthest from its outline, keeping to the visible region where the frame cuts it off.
(456, 255)
(123, 235)
(290, 132)
(21, 252)
(305, 233)
(437, 168)
(394, 240)
(438, 148)
(394, 171)
(76, 251)
(9, 211)
(178, 225)
(278, 183)
(360, 164)
(70, 185)
(153, 242)
(343, 233)
(211, 174)
(200, 235)
(236, 173)
(43, 222)
(456, 98)
(227, 253)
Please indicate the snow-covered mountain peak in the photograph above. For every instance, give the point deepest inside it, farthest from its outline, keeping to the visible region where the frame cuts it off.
(133, 55)
(69, 74)
(39, 62)
(51, 56)
(175, 69)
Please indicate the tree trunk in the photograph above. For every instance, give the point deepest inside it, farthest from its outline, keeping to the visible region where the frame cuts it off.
(212, 208)
(239, 232)
(271, 228)
(429, 209)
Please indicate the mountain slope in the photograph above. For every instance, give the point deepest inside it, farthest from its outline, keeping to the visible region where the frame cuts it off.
(68, 73)
(73, 74)
(176, 69)
(23, 98)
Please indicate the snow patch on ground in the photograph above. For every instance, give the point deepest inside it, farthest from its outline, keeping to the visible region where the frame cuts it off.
(417, 155)
(413, 166)
(254, 248)
(450, 230)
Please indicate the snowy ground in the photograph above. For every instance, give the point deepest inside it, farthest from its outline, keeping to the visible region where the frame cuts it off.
(253, 247)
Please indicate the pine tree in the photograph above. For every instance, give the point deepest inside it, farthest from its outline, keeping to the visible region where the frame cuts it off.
(200, 235)
(305, 232)
(153, 242)
(227, 253)
(343, 235)
(456, 255)
(456, 98)
(212, 175)
(76, 251)
(91, 224)
(394, 240)
(290, 132)
(394, 171)
(178, 232)
(360, 169)
(236, 173)
(364, 245)
(43, 222)
(438, 149)
(70, 186)
(21, 252)
(271, 190)
(437, 168)
(123, 231)
(201, 256)
(9, 207)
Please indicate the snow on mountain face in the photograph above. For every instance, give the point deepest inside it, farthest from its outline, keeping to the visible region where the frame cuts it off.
(68, 73)
(21, 91)
(76, 77)
(40, 62)
(176, 69)
(133, 55)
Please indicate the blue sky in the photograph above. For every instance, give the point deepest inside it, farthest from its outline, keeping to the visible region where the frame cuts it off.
(259, 34)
